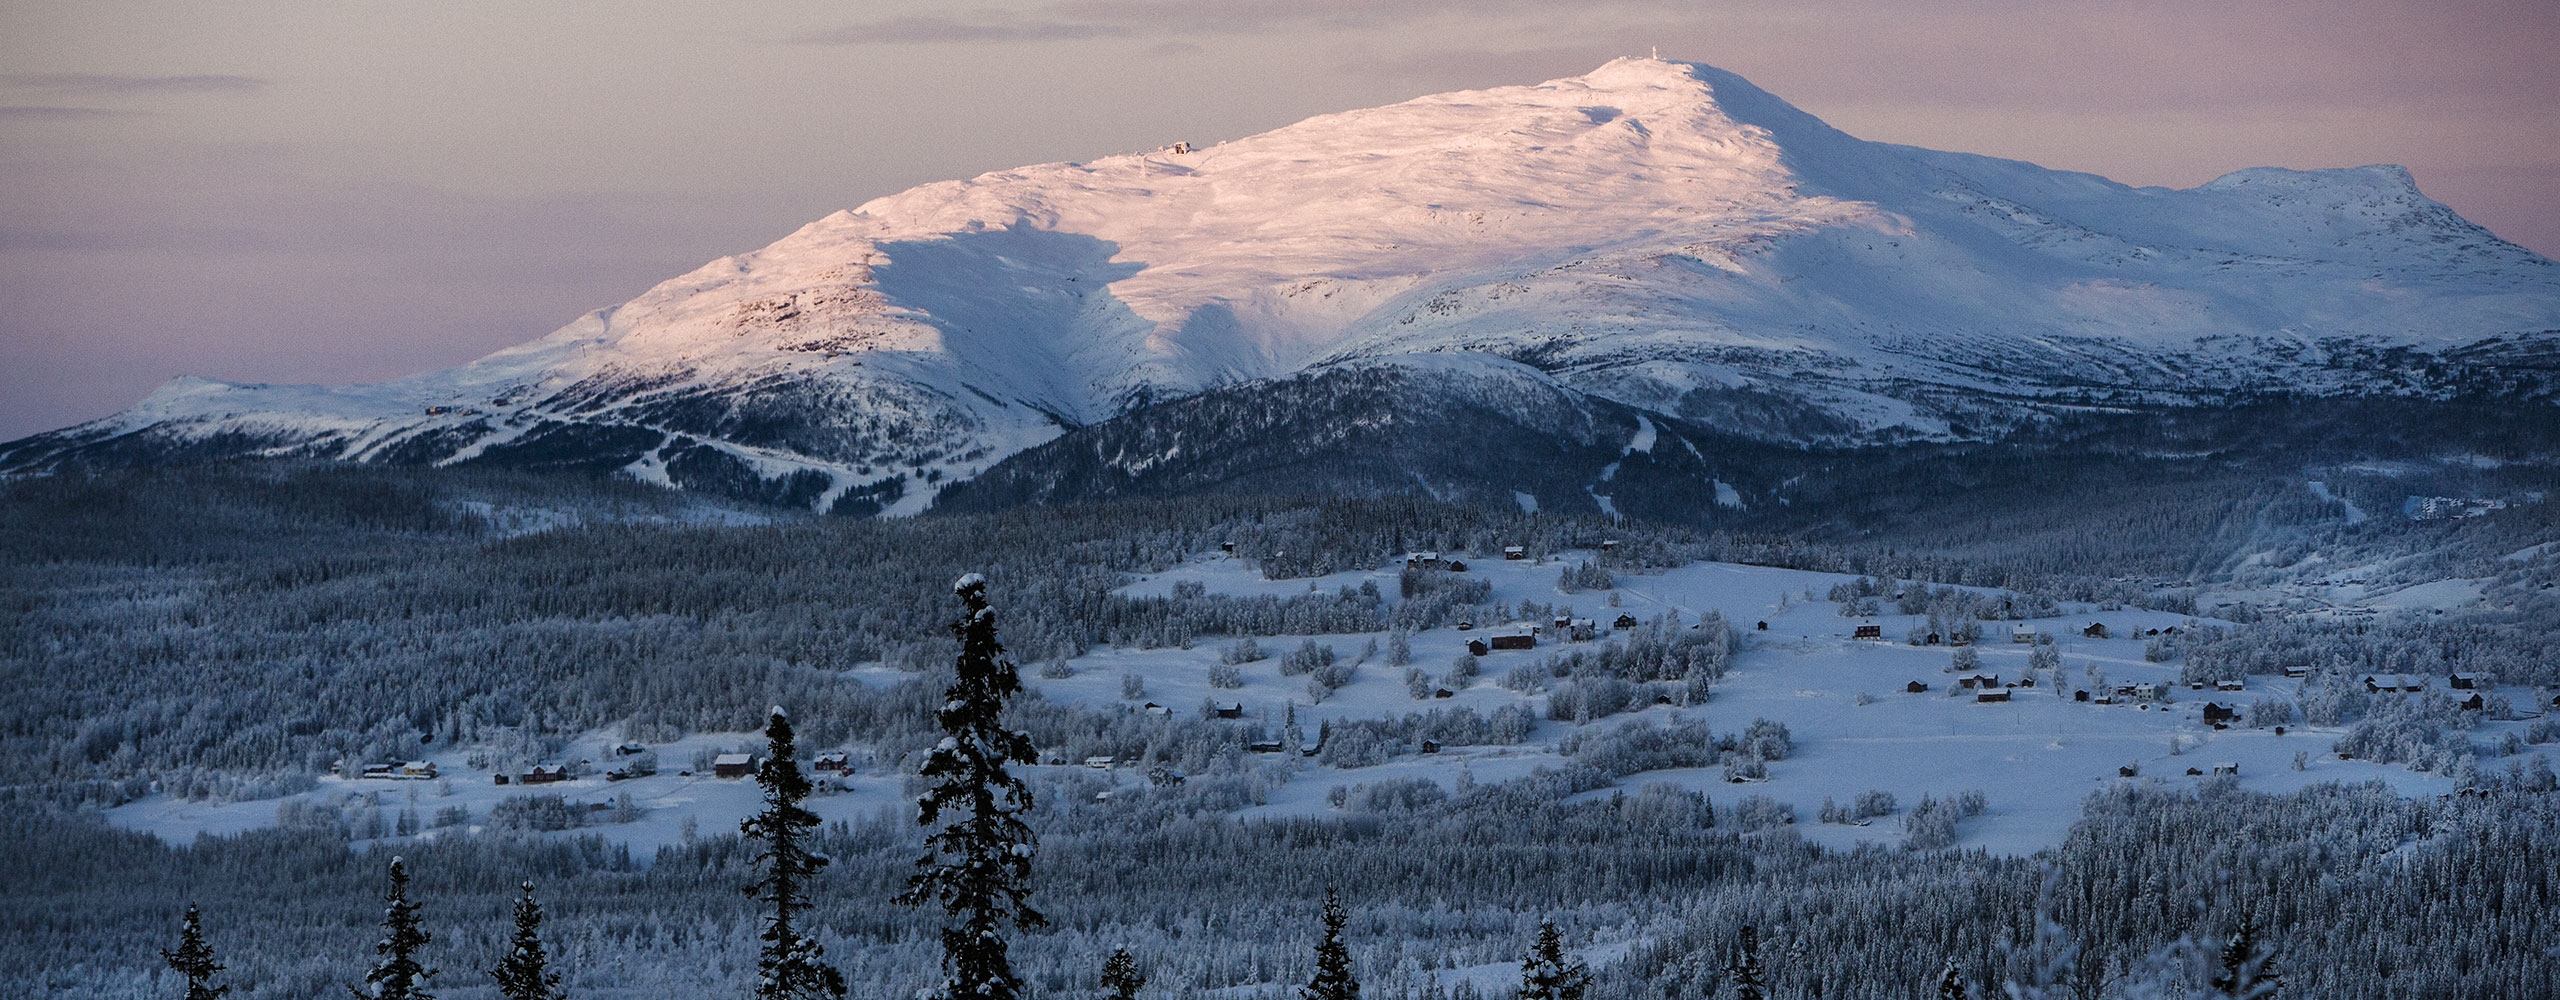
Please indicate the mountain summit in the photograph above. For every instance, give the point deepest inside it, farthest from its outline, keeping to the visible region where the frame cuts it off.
(1594, 262)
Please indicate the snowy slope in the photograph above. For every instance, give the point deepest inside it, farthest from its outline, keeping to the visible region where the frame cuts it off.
(1655, 235)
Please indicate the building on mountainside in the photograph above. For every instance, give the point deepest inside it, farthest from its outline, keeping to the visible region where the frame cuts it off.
(2094, 631)
(2297, 671)
(2217, 712)
(1517, 640)
(2128, 771)
(1515, 552)
(1873, 632)
(1457, 565)
(628, 749)
(1991, 695)
(544, 774)
(2022, 632)
(733, 765)
(1151, 708)
(2147, 691)
(2389, 684)
(1226, 709)
(1582, 630)
(1263, 746)
(2467, 681)
(1931, 639)
(1915, 687)
(1764, 626)
(1626, 621)
(1430, 746)
(1478, 647)
(2234, 684)
(1100, 763)
(1976, 682)
(2470, 701)
(836, 761)
(1425, 560)
(2080, 695)
(2229, 767)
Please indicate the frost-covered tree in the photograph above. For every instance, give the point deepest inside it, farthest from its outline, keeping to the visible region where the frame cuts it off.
(1547, 974)
(1951, 984)
(193, 959)
(2247, 970)
(1333, 979)
(398, 976)
(1750, 978)
(791, 966)
(1121, 979)
(525, 974)
(978, 865)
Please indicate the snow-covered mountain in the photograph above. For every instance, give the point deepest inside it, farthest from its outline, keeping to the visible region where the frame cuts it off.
(1597, 261)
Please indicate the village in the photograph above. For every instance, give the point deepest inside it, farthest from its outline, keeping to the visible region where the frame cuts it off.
(1874, 703)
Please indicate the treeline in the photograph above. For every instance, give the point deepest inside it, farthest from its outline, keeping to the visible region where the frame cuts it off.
(2333, 878)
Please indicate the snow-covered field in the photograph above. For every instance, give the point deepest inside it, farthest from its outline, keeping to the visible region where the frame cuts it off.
(2034, 758)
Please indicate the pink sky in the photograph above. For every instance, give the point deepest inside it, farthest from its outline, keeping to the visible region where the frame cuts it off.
(313, 192)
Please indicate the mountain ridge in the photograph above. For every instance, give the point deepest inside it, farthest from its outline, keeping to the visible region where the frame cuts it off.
(1657, 236)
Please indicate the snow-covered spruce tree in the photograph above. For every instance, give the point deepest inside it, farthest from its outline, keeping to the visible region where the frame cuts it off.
(1333, 979)
(977, 865)
(1951, 984)
(398, 976)
(1547, 974)
(2248, 968)
(525, 974)
(1120, 976)
(1750, 979)
(194, 960)
(791, 965)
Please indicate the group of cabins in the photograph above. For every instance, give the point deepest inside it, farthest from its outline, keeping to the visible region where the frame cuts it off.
(1525, 636)
(416, 770)
(2021, 632)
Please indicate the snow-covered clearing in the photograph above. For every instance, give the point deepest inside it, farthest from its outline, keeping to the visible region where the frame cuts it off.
(2034, 757)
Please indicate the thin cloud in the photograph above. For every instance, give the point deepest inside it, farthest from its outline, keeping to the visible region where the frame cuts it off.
(125, 83)
(1087, 19)
(40, 113)
(935, 30)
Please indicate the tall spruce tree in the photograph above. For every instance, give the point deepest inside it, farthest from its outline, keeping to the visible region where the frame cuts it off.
(398, 976)
(1547, 974)
(1951, 984)
(1750, 978)
(791, 965)
(2247, 970)
(1333, 979)
(978, 864)
(194, 960)
(525, 973)
(1121, 979)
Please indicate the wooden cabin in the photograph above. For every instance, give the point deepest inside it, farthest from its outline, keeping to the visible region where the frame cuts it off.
(1915, 687)
(1629, 621)
(2094, 631)
(1874, 632)
(836, 761)
(1226, 709)
(2467, 682)
(1515, 552)
(2215, 711)
(2022, 632)
(1516, 640)
(733, 765)
(544, 774)
(1990, 695)
(1478, 647)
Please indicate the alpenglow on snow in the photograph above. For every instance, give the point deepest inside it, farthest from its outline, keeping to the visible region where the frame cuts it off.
(1653, 239)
